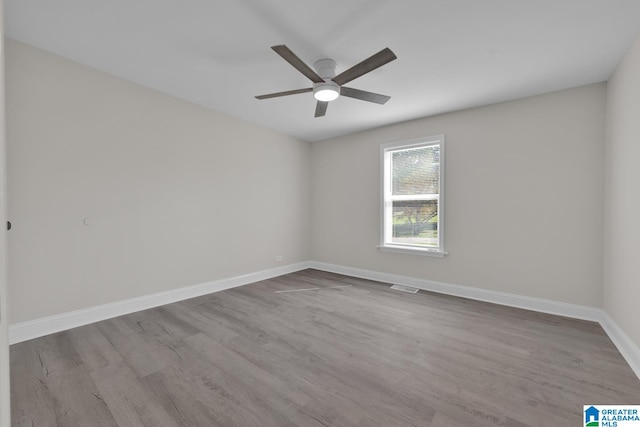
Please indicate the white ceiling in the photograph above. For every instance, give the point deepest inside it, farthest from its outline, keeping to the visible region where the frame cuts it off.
(452, 54)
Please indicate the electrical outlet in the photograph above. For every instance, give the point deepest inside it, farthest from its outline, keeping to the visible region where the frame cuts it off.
(279, 258)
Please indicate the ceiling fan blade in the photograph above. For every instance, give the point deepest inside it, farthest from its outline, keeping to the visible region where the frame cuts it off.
(288, 92)
(321, 108)
(297, 63)
(364, 95)
(369, 64)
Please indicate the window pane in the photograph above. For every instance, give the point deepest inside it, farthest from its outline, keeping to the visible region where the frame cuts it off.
(415, 171)
(415, 222)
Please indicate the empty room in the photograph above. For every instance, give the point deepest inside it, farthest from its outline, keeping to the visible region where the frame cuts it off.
(294, 213)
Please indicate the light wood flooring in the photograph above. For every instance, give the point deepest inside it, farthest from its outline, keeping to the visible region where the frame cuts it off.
(353, 353)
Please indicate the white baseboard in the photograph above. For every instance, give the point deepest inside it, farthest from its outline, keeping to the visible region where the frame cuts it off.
(48, 325)
(502, 298)
(629, 350)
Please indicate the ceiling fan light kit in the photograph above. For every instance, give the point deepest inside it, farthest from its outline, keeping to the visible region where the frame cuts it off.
(326, 85)
(327, 91)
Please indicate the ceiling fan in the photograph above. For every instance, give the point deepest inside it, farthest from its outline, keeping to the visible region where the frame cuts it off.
(326, 85)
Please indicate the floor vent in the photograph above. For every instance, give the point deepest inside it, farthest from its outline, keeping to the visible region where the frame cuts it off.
(405, 289)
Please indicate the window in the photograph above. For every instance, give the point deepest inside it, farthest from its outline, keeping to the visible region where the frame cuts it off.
(413, 200)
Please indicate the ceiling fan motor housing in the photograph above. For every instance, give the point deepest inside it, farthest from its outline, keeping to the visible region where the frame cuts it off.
(326, 68)
(327, 90)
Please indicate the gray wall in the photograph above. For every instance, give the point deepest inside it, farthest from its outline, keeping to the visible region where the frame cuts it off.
(178, 194)
(524, 190)
(622, 207)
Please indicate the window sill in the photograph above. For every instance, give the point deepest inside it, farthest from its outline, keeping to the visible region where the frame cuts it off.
(413, 251)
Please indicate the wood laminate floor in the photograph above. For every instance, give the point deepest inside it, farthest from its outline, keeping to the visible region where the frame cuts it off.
(353, 353)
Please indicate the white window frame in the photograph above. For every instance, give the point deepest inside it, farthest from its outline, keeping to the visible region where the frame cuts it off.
(386, 215)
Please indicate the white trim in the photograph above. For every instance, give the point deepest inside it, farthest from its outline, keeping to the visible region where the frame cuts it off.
(496, 297)
(5, 394)
(629, 350)
(411, 197)
(24, 331)
(386, 198)
(413, 250)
